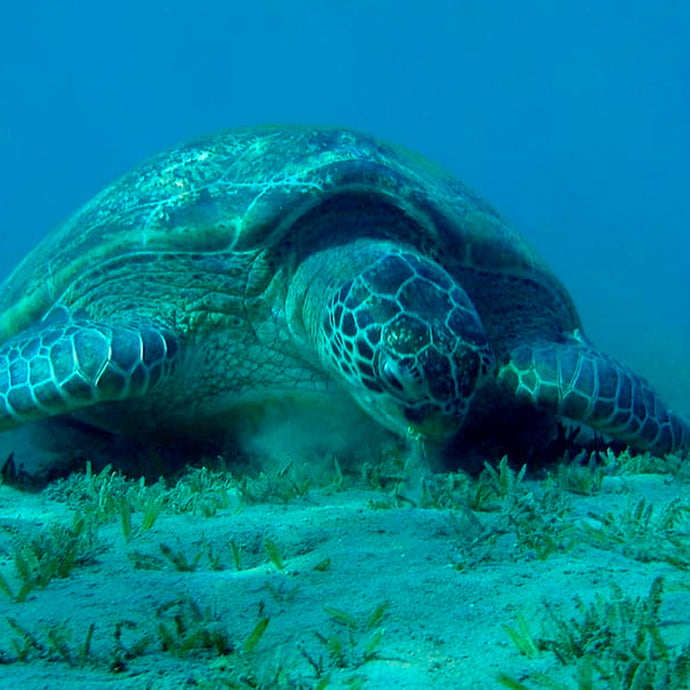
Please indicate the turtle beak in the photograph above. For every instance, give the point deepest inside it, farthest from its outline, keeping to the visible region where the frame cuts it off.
(433, 424)
(426, 422)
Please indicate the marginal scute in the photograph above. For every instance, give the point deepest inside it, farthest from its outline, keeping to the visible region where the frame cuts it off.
(19, 400)
(585, 381)
(665, 439)
(113, 382)
(125, 350)
(39, 370)
(575, 405)
(605, 407)
(546, 364)
(46, 392)
(19, 372)
(62, 360)
(91, 350)
(608, 381)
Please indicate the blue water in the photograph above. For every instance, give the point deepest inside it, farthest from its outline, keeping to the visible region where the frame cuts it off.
(573, 118)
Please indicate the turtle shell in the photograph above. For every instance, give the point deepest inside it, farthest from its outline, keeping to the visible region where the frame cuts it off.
(292, 190)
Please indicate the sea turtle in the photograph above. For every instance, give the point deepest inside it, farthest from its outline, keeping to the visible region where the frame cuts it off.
(300, 263)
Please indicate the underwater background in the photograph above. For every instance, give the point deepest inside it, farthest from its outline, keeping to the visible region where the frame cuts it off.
(572, 118)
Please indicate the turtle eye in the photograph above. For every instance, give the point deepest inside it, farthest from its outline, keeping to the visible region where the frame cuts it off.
(399, 377)
(390, 373)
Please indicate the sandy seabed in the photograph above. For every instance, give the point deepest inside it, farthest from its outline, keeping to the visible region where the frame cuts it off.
(343, 588)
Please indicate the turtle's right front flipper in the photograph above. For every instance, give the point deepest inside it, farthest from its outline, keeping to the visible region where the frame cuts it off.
(576, 381)
(68, 363)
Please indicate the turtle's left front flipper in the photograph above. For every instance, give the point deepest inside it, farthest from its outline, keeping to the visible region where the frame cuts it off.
(574, 380)
(66, 363)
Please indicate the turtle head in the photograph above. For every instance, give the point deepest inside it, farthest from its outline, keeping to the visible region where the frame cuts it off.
(406, 339)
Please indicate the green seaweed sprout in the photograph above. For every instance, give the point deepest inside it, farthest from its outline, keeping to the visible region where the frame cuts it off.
(52, 553)
(354, 643)
(578, 477)
(287, 484)
(52, 643)
(614, 642)
(644, 531)
(628, 462)
(108, 496)
(209, 556)
(202, 491)
(185, 629)
(57, 642)
(182, 628)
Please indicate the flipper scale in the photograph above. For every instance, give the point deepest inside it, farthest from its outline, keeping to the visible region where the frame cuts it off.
(63, 365)
(575, 381)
